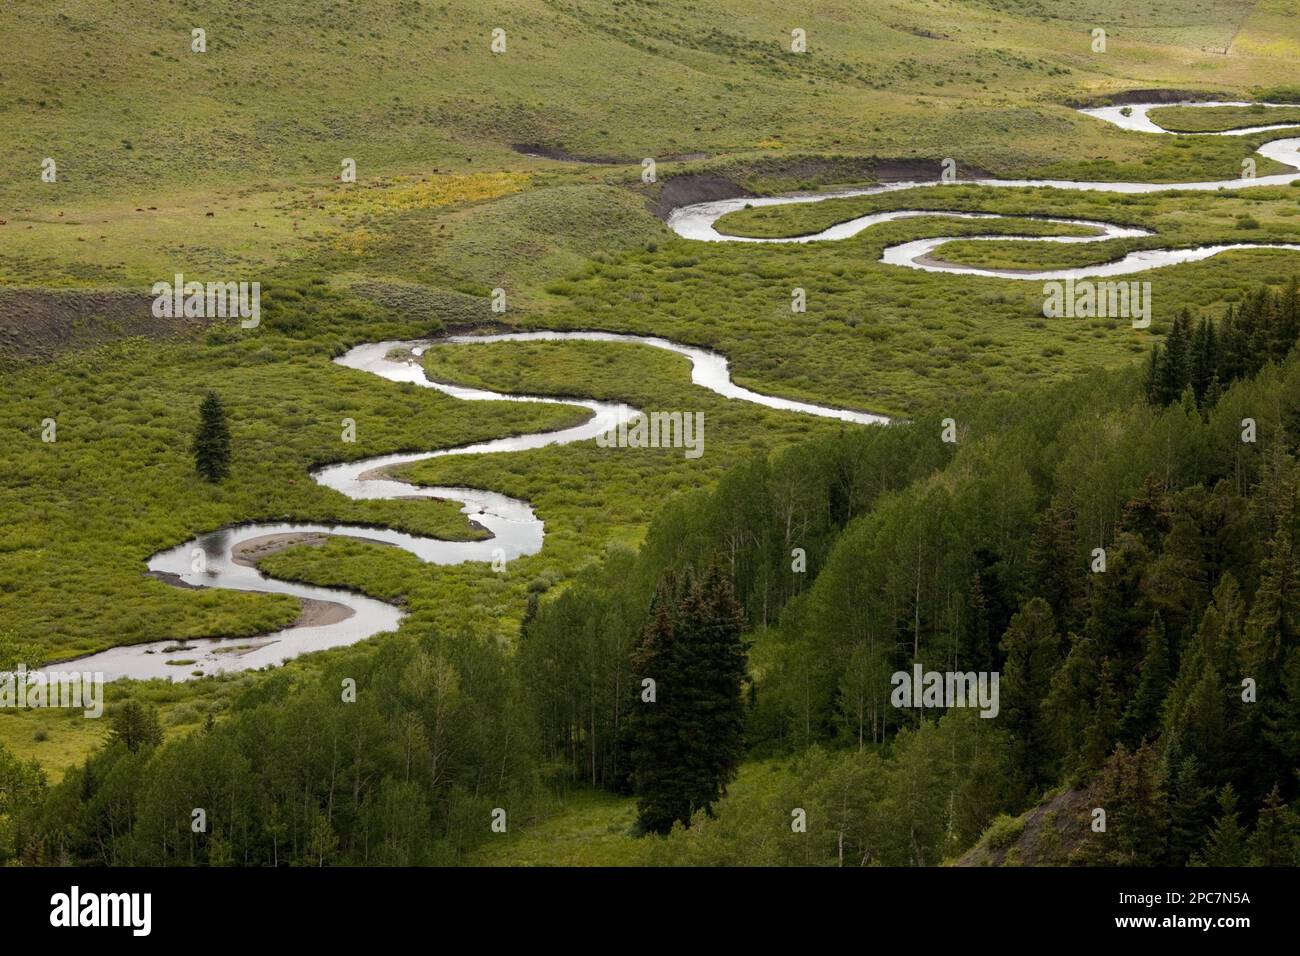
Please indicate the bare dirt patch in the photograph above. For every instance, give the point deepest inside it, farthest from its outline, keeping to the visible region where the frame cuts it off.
(41, 323)
(319, 613)
(694, 188)
(921, 170)
(1050, 834)
(564, 156)
(249, 552)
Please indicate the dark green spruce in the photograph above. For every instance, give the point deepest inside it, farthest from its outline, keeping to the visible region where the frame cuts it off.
(689, 741)
(212, 440)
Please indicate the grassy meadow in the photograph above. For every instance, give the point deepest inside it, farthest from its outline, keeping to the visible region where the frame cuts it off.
(522, 171)
(1212, 119)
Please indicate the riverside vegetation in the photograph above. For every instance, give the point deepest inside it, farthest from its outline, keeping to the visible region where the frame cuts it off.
(1126, 682)
(520, 690)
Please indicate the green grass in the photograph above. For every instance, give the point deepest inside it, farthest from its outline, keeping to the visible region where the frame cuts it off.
(81, 515)
(517, 243)
(595, 828)
(893, 339)
(1176, 217)
(874, 337)
(1213, 119)
(589, 828)
(254, 130)
(58, 739)
(1176, 220)
(406, 83)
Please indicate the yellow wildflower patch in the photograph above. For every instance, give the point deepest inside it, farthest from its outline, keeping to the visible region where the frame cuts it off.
(358, 241)
(428, 192)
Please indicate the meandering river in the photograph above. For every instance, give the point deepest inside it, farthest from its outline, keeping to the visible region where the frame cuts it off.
(699, 221)
(224, 558)
(214, 560)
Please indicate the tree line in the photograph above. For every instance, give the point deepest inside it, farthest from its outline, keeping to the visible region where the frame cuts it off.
(1204, 358)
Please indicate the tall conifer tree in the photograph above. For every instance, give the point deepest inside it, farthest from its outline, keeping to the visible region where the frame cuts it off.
(212, 440)
(688, 742)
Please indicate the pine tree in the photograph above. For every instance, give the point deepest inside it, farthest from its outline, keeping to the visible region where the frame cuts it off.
(1288, 318)
(652, 726)
(1068, 708)
(135, 725)
(687, 744)
(1204, 359)
(1274, 621)
(723, 656)
(1051, 571)
(1282, 723)
(1226, 843)
(1276, 840)
(1189, 812)
(1175, 364)
(1231, 348)
(1130, 787)
(1272, 340)
(1198, 720)
(1254, 346)
(1153, 684)
(991, 611)
(1222, 629)
(1214, 392)
(212, 439)
(1151, 377)
(1271, 652)
(1103, 730)
(1033, 653)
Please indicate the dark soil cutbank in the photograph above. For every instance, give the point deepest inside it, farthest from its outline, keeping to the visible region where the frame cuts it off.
(921, 170)
(1129, 97)
(691, 188)
(41, 323)
(564, 156)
